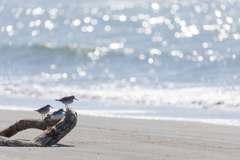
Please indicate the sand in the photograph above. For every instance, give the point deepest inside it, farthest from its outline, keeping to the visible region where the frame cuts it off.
(128, 139)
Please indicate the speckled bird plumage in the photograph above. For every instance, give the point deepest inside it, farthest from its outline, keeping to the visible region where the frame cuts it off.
(66, 100)
(58, 114)
(44, 110)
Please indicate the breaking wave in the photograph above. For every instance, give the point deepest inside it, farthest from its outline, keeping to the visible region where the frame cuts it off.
(195, 97)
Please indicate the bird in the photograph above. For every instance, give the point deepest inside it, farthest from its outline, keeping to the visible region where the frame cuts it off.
(58, 114)
(67, 100)
(44, 110)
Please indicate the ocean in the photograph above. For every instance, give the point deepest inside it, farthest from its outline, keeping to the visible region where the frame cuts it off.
(162, 60)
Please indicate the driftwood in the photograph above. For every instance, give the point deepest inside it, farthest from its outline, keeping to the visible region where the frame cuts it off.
(54, 130)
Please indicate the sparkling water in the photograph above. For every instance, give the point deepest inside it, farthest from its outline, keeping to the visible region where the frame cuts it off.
(137, 59)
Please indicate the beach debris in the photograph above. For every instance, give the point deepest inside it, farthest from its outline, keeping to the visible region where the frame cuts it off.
(54, 130)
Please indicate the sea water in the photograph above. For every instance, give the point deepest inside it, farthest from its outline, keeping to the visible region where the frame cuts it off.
(168, 59)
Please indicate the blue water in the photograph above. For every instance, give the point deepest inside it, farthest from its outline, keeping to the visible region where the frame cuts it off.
(134, 59)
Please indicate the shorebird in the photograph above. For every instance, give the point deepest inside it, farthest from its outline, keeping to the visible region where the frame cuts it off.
(58, 114)
(67, 100)
(44, 110)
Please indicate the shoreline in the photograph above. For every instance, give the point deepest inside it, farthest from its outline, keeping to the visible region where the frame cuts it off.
(213, 119)
(120, 138)
(111, 114)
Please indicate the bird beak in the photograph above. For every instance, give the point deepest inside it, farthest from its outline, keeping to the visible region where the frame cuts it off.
(76, 99)
(51, 107)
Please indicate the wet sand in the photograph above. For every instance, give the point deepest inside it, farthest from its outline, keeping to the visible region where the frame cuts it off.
(128, 139)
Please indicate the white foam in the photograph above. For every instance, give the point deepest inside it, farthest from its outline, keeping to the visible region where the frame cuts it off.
(16, 108)
(20, 108)
(134, 115)
(114, 114)
(191, 97)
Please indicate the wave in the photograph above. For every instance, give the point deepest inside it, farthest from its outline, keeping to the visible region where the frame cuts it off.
(74, 51)
(220, 98)
(67, 50)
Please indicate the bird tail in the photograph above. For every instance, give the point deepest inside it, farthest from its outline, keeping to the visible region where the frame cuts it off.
(56, 99)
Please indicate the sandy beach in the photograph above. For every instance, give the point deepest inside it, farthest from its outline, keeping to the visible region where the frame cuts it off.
(114, 139)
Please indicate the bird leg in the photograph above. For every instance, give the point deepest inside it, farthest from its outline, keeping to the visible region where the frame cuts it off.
(67, 108)
(42, 116)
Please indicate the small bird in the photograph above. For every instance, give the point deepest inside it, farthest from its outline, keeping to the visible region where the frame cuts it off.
(67, 100)
(58, 114)
(44, 110)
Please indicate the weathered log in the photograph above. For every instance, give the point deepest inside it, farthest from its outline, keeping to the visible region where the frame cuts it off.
(26, 124)
(54, 130)
(17, 143)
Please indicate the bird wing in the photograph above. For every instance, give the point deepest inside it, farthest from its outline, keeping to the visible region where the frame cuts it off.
(40, 108)
(63, 99)
(54, 112)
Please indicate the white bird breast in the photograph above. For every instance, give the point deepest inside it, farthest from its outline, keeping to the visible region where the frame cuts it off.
(57, 116)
